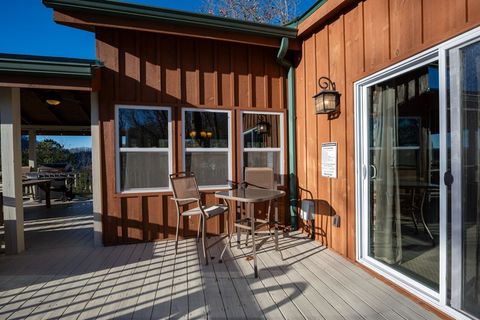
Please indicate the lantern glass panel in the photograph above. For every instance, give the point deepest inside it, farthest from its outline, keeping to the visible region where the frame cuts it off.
(330, 102)
(319, 105)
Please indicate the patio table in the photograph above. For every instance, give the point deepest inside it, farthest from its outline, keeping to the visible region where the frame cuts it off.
(250, 196)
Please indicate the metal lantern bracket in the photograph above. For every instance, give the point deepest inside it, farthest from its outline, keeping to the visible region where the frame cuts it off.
(325, 83)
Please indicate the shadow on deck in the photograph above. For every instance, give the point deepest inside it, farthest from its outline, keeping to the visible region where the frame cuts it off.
(62, 275)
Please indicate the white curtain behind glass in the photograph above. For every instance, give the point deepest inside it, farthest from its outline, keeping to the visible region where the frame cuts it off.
(387, 241)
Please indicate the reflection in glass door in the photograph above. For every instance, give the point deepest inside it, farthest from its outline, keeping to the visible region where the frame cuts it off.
(464, 106)
(403, 134)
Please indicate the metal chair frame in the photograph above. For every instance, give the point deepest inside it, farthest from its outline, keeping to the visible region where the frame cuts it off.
(202, 213)
(243, 223)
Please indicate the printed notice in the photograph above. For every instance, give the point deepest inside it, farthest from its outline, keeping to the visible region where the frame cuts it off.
(329, 160)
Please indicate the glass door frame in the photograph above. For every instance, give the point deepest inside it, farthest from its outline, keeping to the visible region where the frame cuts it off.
(362, 184)
(451, 55)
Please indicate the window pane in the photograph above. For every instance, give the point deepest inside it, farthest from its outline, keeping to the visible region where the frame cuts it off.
(269, 159)
(210, 168)
(253, 138)
(143, 170)
(206, 129)
(143, 128)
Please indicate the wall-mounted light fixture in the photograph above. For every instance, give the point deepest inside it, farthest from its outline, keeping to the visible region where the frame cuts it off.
(263, 127)
(328, 99)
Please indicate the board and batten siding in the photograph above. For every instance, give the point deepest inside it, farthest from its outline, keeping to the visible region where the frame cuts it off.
(154, 69)
(362, 39)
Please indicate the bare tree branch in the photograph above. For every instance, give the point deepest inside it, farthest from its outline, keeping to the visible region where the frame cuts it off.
(262, 11)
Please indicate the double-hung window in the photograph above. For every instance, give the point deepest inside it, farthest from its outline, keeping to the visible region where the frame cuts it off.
(143, 145)
(262, 141)
(207, 146)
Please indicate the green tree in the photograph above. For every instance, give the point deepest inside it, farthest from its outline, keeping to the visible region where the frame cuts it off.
(50, 151)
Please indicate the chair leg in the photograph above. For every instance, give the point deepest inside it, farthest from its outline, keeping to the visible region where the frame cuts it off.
(204, 246)
(228, 229)
(238, 237)
(254, 247)
(249, 207)
(229, 243)
(176, 233)
(239, 229)
(198, 228)
(268, 217)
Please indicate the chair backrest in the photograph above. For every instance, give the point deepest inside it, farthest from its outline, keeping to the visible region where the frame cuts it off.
(261, 177)
(184, 185)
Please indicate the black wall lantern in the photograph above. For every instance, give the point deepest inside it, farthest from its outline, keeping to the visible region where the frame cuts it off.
(263, 127)
(328, 100)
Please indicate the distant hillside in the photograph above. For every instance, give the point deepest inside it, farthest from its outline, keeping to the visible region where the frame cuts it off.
(82, 159)
(76, 150)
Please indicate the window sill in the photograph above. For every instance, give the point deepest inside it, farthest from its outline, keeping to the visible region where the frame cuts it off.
(134, 192)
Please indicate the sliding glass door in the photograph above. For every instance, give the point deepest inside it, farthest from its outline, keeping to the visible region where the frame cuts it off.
(403, 165)
(418, 174)
(464, 219)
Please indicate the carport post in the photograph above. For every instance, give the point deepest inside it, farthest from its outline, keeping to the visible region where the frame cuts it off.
(32, 148)
(11, 153)
(96, 170)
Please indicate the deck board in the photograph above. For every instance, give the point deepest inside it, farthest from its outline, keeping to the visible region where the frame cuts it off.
(62, 275)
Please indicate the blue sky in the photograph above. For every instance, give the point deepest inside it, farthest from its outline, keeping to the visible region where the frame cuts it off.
(28, 28)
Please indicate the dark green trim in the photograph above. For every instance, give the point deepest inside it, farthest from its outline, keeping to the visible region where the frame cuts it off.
(295, 22)
(51, 66)
(126, 10)
(292, 156)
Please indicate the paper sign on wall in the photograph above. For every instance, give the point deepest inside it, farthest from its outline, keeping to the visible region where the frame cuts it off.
(329, 159)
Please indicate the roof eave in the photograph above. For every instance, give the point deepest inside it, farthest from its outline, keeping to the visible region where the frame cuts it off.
(51, 66)
(129, 10)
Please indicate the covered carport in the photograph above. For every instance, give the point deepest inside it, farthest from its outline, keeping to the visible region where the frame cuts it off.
(26, 83)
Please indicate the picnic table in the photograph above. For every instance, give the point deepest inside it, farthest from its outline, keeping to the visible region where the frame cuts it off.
(43, 184)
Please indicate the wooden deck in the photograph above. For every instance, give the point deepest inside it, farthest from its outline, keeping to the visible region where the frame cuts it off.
(63, 276)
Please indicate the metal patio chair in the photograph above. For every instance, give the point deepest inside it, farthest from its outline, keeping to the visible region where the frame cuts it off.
(185, 192)
(260, 178)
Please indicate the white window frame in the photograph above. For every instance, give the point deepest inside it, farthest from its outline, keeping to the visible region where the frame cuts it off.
(119, 150)
(280, 149)
(437, 53)
(228, 150)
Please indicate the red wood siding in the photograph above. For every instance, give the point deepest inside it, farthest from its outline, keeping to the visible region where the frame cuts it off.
(152, 69)
(362, 39)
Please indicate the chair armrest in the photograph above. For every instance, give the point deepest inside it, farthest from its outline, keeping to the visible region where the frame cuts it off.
(184, 199)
